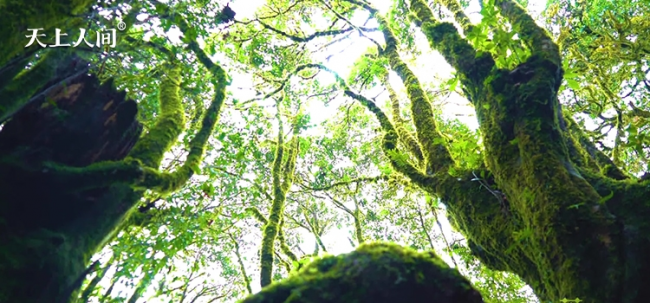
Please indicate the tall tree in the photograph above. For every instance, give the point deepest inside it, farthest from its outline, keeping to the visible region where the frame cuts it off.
(536, 192)
(78, 142)
(545, 203)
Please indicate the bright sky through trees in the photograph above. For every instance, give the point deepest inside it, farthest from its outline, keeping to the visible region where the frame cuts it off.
(321, 151)
(340, 57)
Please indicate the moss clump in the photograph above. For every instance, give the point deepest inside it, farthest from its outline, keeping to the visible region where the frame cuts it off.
(375, 272)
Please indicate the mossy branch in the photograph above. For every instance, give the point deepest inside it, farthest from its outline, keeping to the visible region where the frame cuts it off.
(140, 168)
(290, 164)
(390, 138)
(444, 37)
(405, 136)
(97, 175)
(283, 243)
(257, 214)
(280, 186)
(459, 15)
(247, 279)
(169, 182)
(434, 149)
(535, 37)
(357, 222)
(637, 112)
(151, 148)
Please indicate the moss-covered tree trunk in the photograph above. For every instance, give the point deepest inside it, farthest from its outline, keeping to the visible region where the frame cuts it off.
(282, 171)
(73, 162)
(574, 225)
(546, 204)
(50, 228)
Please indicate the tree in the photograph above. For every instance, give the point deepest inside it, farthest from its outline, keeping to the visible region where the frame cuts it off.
(76, 141)
(535, 196)
(561, 217)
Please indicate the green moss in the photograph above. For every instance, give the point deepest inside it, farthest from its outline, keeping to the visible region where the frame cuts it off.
(18, 16)
(555, 222)
(17, 92)
(459, 15)
(373, 273)
(444, 37)
(433, 145)
(282, 171)
(165, 183)
(283, 244)
(97, 175)
(535, 37)
(151, 148)
(257, 214)
(546, 202)
(404, 135)
(43, 258)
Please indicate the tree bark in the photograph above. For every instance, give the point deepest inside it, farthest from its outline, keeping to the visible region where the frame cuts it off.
(50, 229)
(546, 205)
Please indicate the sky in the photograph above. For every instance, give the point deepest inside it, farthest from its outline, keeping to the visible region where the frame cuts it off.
(341, 60)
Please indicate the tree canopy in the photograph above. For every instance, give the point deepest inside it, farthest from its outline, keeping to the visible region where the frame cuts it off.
(325, 151)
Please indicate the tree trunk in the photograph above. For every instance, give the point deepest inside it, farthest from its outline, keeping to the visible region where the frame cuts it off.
(50, 229)
(548, 205)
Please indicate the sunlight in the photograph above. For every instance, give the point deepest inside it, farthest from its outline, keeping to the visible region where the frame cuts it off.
(340, 57)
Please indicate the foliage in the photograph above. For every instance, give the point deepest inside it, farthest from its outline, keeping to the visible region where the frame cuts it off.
(307, 65)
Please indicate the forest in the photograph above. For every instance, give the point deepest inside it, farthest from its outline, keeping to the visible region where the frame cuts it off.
(444, 151)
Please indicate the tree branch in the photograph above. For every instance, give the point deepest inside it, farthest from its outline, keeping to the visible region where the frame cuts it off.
(534, 36)
(457, 51)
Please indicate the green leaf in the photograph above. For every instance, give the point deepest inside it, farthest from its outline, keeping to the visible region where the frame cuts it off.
(573, 84)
